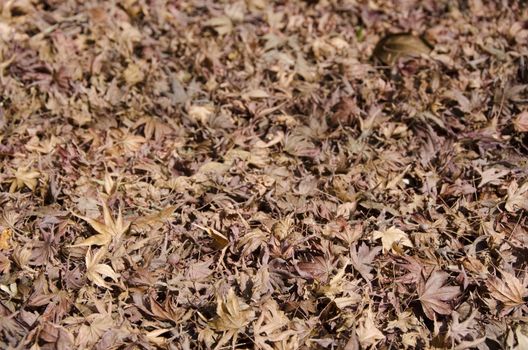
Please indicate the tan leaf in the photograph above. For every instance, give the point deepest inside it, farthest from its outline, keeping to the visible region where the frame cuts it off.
(337, 284)
(508, 290)
(267, 327)
(521, 122)
(133, 74)
(255, 94)
(492, 176)
(132, 143)
(109, 184)
(105, 231)
(222, 25)
(368, 333)
(220, 241)
(517, 197)
(232, 313)
(153, 128)
(97, 272)
(433, 294)
(155, 219)
(155, 337)
(24, 177)
(90, 333)
(4, 238)
(522, 338)
(393, 46)
(200, 114)
(392, 236)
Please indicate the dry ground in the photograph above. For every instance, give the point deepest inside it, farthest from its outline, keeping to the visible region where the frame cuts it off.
(254, 174)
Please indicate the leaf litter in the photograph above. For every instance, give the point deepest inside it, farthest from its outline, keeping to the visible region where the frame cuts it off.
(268, 175)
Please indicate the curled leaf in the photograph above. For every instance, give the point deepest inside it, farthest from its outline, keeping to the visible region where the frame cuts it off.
(394, 46)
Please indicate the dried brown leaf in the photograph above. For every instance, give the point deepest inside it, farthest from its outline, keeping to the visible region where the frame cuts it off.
(394, 46)
(434, 294)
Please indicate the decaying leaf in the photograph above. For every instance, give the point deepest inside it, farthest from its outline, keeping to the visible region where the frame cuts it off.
(4, 238)
(201, 114)
(435, 295)
(106, 231)
(394, 46)
(492, 176)
(517, 197)
(521, 122)
(508, 290)
(219, 240)
(233, 314)
(24, 177)
(222, 25)
(392, 236)
(269, 324)
(133, 74)
(368, 333)
(97, 272)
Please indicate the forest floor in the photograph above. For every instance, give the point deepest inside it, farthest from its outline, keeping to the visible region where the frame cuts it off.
(263, 174)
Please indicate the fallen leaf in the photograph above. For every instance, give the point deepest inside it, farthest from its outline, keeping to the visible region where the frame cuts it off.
(107, 231)
(394, 46)
(491, 176)
(4, 238)
(508, 290)
(200, 114)
(517, 197)
(434, 295)
(133, 74)
(392, 236)
(97, 272)
(362, 258)
(220, 241)
(24, 177)
(367, 332)
(232, 313)
(521, 122)
(222, 25)
(255, 94)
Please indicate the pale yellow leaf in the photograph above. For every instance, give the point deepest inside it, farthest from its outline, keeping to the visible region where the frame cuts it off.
(392, 236)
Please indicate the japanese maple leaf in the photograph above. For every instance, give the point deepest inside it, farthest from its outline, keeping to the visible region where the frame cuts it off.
(362, 259)
(95, 271)
(517, 197)
(392, 236)
(492, 176)
(508, 290)
(433, 294)
(105, 231)
(24, 177)
(232, 313)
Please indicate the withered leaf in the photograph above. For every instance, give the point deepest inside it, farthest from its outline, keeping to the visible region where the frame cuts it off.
(508, 290)
(232, 313)
(4, 238)
(392, 236)
(368, 333)
(394, 46)
(517, 197)
(97, 272)
(106, 231)
(319, 269)
(24, 177)
(219, 240)
(434, 294)
(362, 258)
(521, 122)
(492, 176)
(222, 25)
